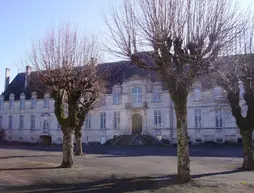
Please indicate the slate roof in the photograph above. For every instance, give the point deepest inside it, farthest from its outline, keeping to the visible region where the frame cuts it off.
(116, 73)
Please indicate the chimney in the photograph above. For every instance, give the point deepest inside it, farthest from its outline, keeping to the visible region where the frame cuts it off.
(93, 61)
(28, 72)
(7, 77)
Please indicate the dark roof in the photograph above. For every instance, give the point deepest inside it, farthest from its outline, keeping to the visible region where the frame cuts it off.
(116, 73)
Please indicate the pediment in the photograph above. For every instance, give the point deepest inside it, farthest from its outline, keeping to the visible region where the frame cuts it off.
(135, 77)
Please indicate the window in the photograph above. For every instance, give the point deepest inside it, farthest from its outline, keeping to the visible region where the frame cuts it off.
(137, 95)
(198, 123)
(1, 122)
(21, 121)
(217, 93)
(103, 120)
(88, 121)
(197, 95)
(11, 103)
(218, 118)
(33, 102)
(46, 102)
(241, 88)
(10, 121)
(116, 98)
(157, 118)
(156, 97)
(32, 121)
(116, 120)
(45, 126)
(22, 103)
(1, 103)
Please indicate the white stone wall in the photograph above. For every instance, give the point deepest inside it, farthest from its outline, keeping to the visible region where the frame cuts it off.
(207, 104)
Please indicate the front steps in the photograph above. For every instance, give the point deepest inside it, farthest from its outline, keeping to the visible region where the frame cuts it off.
(123, 140)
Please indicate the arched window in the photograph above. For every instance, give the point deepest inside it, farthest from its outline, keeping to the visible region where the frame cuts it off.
(46, 101)
(1, 102)
(22, 101)
(116, 95)
(33, 100)
(197, 94)
(11, 101)
(45, 126)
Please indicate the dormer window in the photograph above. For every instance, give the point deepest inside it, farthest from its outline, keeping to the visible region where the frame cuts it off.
(197, 94)
(116, 95)
(33, 101)
(217, 93)
(46, 101)
(136, 95)
(116, 98)
(156, 96)
(11, 101)
(22, 101)
(1, 102)
(241, 88)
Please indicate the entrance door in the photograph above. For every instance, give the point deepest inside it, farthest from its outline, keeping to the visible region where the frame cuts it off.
(136, 124)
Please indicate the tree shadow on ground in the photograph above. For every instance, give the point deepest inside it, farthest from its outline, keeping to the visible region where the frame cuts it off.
(111, 185)
(29, 168)
(214, 150)
(24, 156)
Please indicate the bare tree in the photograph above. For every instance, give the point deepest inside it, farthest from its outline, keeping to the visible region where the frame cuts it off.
(86, 104)
(185, 37)
(235, 76)
(62, 61)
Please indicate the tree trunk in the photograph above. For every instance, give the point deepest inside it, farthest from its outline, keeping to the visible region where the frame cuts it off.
(79, 148)
(248, 161)
(183, 168)
(67, 161)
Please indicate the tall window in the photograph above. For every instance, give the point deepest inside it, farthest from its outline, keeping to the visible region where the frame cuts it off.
(217, 93)
(45, 126)
(157, 118)
(21, 121)
(241, 88)
(218, 118)
(116, 120)
(46, 102)
(103, 120)
(1, 103)
(197, 94)
(136, 95)
(116, 98)
(1, 122)
(10, 121)
(33, 102)
(32, 121)
(11, 103)
(88, 121)
(22, 103)
(156, 97)
(198, 123)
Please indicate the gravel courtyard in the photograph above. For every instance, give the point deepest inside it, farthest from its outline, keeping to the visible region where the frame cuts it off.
(34, 169)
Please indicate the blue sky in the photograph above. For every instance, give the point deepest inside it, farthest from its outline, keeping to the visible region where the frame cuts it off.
(22, 21)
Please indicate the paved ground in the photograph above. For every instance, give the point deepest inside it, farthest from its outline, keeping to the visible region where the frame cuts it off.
(34, 169)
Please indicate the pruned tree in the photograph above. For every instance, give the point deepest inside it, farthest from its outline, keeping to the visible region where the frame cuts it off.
(183, 38)
(86, 104)
(62, 61)
(235, 76)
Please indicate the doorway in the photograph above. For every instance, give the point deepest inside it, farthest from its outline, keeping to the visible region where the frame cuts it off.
(136, 124)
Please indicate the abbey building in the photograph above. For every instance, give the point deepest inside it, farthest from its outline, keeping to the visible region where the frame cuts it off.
(135, 103)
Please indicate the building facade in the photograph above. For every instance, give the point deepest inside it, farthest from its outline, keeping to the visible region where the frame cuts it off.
(135, 103)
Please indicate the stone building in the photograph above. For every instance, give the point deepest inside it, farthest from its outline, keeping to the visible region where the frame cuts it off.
(135, 103)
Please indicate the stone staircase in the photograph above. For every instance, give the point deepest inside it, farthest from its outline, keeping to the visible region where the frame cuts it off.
(123, 140)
